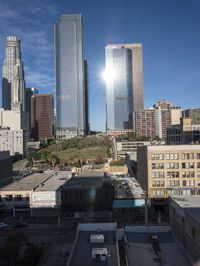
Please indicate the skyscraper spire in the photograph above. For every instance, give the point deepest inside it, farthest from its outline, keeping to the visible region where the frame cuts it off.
(13, 83)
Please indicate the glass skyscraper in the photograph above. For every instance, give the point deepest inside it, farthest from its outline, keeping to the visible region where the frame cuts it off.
(70, 89)
(124, 86)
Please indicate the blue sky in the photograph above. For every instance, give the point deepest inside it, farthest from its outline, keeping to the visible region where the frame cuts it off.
(168, 30)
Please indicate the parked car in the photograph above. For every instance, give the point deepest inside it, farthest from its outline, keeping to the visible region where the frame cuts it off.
(20, 225)
(3, 225)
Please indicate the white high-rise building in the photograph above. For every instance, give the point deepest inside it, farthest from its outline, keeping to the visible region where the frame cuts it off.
(13, 83)
(13, 141)
(14, 131)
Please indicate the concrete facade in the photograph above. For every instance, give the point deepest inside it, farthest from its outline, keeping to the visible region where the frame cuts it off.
(169, 170)
(184, 218)
(13, 141)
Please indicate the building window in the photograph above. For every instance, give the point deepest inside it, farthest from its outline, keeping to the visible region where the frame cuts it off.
(187, 156)
(167, 156)
(18, 198)
(172, 165)
(158, 184)
(188, 183)
(157, 174)
(173, 183)
(188, 165)
(198, 155)
(161, 156)
(8, 198)
(187, 174)
(176, 157)
(172, 174)
(157, 165)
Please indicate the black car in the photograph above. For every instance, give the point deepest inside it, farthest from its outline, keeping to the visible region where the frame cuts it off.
(20, 225)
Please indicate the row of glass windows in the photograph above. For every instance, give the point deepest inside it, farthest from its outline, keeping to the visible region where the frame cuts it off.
(175, 183)
(175, 156)
(175, 174)
(187, 165)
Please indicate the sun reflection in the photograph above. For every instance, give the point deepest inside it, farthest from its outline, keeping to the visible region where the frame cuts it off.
(108, 75)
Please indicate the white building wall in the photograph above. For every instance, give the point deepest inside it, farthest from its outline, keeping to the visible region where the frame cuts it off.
(176, 114)
(158, 122)
(45, 199)
(12, 141)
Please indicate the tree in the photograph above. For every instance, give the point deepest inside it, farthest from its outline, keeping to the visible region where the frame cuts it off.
(71, 143)
(53, 159)
(132, 136)
(120, 162)
(108, 153)
(99, 159)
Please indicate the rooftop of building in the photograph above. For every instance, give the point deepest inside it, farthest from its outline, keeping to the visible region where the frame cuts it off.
(48, 181)
(140, 249)
(88, 179)
(136, 246)
(177, 148)
(189, 205)
(127, 45)
(83, 256)
(127, 188)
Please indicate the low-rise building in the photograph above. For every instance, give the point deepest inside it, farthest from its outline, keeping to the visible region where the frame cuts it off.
(184, 218)
(184, 133)
(169, 170)
(90, 191)
(124, 147)
(38, 190)
(132, 245)
(115, 170)
(87, 252)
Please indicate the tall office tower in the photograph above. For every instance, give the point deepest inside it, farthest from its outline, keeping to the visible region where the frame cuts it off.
(13, 83)
(70, 89)
(42, 116)
(124, 86)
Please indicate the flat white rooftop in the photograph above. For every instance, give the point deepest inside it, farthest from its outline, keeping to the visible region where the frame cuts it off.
(48, 181)
(177, 148)
(189, 205)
